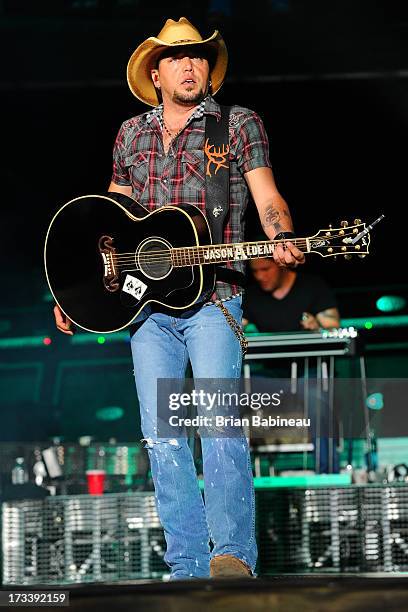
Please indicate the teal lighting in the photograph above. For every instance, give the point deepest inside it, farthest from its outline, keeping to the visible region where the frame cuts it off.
(110, 413)
(21, 342)
(379, 322)
(89, 337)
(47, 297)
(375, 401)
(391, 303)
(250, 328)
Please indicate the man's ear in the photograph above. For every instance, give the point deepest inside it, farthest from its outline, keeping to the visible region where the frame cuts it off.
(155, 77)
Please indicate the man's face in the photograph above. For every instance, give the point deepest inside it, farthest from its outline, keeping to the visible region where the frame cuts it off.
(183, 75)
(267, 273)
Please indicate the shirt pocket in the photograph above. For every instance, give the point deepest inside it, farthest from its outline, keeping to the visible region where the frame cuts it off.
(138, 168)
(192, 169)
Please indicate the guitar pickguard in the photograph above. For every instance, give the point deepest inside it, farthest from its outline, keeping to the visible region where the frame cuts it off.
(134, 287)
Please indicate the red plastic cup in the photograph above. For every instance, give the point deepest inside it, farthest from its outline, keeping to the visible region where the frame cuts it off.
(96, 481)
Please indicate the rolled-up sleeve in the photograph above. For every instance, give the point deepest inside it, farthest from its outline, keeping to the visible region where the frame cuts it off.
(120, 173)
(252, 148)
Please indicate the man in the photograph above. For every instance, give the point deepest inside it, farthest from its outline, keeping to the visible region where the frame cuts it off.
(283, 300)
(159, 160)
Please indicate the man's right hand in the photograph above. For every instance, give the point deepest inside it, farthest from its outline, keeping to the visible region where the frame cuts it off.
(62, 322)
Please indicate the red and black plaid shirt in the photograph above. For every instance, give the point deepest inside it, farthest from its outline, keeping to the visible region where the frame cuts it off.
(158, 179)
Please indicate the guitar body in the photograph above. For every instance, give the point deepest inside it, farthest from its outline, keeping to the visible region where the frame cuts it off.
(104, 264)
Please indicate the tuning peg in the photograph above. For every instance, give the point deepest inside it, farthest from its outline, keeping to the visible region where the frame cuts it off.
(362, 255)
(357, 221)
(348, 256)
(344, 224)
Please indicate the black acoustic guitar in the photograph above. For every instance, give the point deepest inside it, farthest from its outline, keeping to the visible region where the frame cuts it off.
(104, 263)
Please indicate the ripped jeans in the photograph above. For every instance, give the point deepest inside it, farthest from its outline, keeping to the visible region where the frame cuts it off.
(161, 348)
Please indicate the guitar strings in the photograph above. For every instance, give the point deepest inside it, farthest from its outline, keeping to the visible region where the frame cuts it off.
(188, 257)
(234, 244)
(222, 246)
(297, 241)
(181, 258)
(182, 252)
(174, 252)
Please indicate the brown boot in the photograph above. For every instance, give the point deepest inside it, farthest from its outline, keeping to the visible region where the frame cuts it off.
(227, 566)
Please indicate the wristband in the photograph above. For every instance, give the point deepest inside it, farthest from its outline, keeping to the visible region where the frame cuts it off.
(285, 236)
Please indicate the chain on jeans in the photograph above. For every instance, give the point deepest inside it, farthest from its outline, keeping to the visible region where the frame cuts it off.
(236, 328)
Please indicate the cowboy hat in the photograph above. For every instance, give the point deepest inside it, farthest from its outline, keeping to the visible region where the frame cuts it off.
(179, 33)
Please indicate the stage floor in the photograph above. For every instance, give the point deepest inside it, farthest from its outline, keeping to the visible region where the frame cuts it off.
(288, 593)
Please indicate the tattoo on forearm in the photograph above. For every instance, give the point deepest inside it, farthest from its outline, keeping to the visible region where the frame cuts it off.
(272, 216)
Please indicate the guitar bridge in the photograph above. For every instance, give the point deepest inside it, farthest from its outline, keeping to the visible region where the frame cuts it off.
(108, 252)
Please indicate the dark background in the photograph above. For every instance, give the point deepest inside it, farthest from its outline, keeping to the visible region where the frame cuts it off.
(328, 77)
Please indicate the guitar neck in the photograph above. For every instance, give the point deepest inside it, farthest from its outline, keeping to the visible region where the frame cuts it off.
(223, 253)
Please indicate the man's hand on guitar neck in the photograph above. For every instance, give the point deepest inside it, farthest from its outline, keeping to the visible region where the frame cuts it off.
(288, 257)
(62, 322)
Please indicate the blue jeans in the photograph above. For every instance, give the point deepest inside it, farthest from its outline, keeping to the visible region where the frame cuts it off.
(161, 348)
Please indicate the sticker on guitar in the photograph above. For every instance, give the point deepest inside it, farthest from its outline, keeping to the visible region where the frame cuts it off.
(134, 287)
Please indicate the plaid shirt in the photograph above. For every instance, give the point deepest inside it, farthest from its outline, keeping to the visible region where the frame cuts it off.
(158, 179)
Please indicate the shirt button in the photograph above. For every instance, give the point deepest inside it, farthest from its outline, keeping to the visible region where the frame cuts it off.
(164, 181)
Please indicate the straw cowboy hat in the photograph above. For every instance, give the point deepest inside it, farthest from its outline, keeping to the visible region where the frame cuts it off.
(179, 33)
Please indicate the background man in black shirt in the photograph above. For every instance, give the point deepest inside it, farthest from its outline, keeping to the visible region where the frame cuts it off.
(283, 300)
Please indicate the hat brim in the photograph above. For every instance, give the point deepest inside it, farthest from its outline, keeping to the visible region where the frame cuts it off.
(145, 56)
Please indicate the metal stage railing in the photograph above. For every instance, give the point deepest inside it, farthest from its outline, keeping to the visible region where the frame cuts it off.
(76, 539)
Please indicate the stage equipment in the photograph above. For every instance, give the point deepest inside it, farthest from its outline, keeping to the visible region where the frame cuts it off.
(317, 349)
(349, 529)
(115, 537)
(63, 465)
(82, 538)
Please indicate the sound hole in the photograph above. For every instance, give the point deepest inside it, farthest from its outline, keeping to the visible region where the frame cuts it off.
(154, 258)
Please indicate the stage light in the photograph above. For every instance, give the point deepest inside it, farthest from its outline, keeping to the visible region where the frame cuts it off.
(47, 341)
(391, 303)
(101, 339)
(379, 322)
(83, 338)
(110, 413)
(375, 401)
(368, 325)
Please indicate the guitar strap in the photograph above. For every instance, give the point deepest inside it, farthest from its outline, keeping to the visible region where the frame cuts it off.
(217, 184)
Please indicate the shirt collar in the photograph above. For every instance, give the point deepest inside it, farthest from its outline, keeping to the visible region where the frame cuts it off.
(208, 106)
(212, 108)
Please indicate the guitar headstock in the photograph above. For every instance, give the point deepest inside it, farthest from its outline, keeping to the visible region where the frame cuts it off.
(331, 242)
